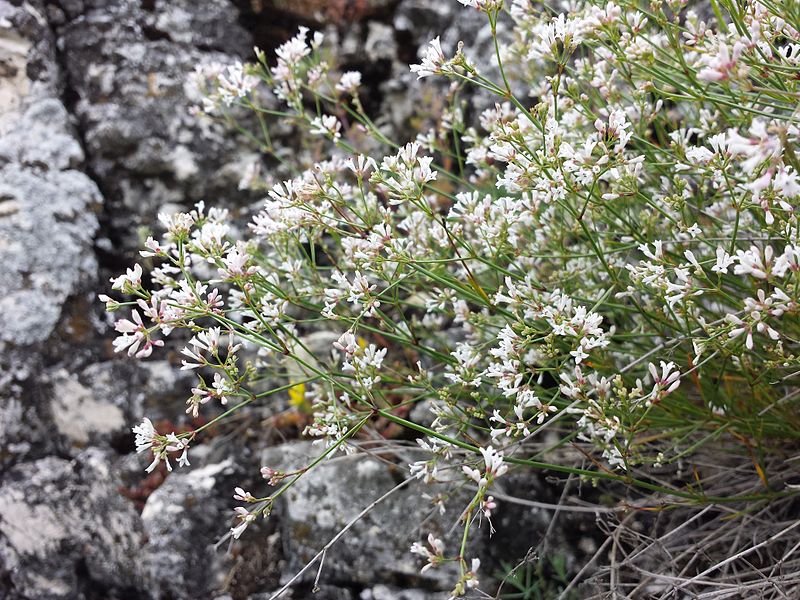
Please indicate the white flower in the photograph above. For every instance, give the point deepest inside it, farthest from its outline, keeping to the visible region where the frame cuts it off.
(273, 476)
(753, 262)
(175, 444)
(471, 576)
(665, 382)
(724, 260)
(434, 553)
(692, 259)
(721, 66)
(432, 60)
(740, 327)
(404, 175)
(129, 282)
(153, 248)
(658, 250)
(245, 517)
(295, 49)
(349, 82)
(177, 224)
(327, 125)
(148, 439)
(483, 5)
(493, 467)
(235, 83)
(145, 435)
(494, 462)
(346, 343)
(243, 496)
(135, 337)
(788, 261)
(361, 164)
(206, 341)
(236, 264)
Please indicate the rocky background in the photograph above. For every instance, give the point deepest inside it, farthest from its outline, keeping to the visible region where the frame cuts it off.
(95, 140)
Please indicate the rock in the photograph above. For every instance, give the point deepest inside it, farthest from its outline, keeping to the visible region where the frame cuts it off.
(78, 414)
(128, 65)
(325, 499)
(97, 405)
(321, 592)
(64, 526)
(184, 520)
(47, 225)
(385, 592)
(14, 83)
(318, 12)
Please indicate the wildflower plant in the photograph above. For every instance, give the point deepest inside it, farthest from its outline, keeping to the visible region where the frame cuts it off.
(597, 275)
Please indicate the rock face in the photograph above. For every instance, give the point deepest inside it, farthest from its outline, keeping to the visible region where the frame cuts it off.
(128, 64)
(66, 530)
(184, 519)
(95, 138)
(48, 219)
(318, 506)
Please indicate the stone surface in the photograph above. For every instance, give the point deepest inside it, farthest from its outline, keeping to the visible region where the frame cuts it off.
(65, 528)
(385, 592)
(14, 83)
(78, 415)
(184, 519)
(318, 506)
(127, 67)
(47, 223)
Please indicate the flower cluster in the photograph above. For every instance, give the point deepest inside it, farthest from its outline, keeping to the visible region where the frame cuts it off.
(610, 254)
(161, 445)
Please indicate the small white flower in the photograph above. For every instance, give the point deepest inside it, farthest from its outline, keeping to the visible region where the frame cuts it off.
(347, 343)
(327, 125)
(245, 517)
(349, 82)
(665, 382)
(754, 262)
(432, 60)
(434, 553)
(493, 467)
(724, 260)
(145, 435)
(243, 496)
(130, 281)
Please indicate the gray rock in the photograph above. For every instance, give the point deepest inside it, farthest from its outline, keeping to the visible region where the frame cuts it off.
(385, 592)
(47, 223)
(78, 414)
(14, 83)
(128, 65)
(325, 499)
(321, 592)
(64, 525)
(97, 405)
(184, 520)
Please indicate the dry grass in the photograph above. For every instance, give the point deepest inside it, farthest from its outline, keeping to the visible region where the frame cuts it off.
(713, 552)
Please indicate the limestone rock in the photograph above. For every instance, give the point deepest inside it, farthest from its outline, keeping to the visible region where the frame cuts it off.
(47, 223)
(325, 499)
(63, 526)
(184, 520)
(128, 65)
